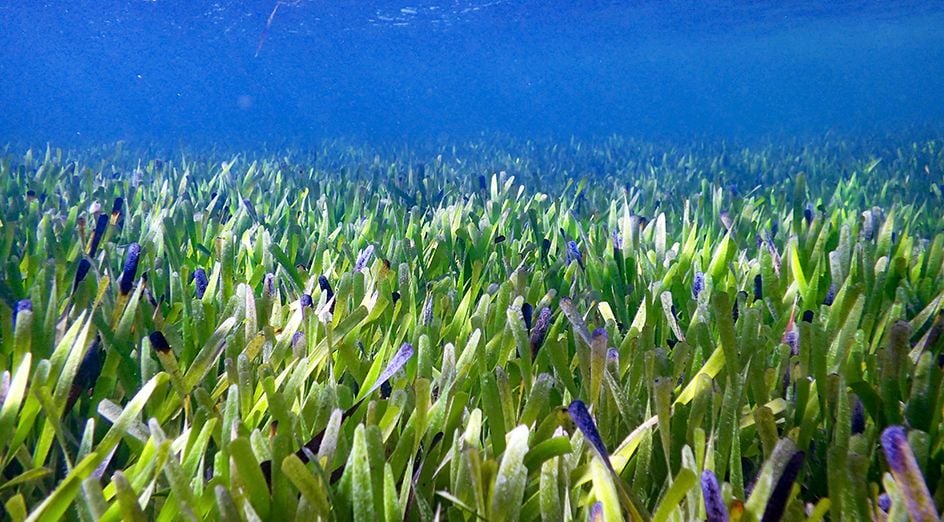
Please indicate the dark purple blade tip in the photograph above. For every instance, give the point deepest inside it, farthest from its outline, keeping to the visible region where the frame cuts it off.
(895, 443)
(573, 254)
(81, 272)
(398, 361)
(907, 474)
(326, 288)
(540, 330)
(715, 510)
(201, 282)
(130, 269)
(858, 417)
(306, 300)
(158, 341)
(612, 356)
(698, 284)
(363, 258)
(527, 312)
(91, 366)
(22, 305)
(600, 333)
(581, 417)
(100, 223)
(884, 502)
(777, 503)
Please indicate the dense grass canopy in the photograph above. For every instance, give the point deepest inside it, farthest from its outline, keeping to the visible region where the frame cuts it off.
(495, 330)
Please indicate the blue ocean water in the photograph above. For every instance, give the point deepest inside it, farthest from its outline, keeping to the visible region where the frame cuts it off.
(242, 73)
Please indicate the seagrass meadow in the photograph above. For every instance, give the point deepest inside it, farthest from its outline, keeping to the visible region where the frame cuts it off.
(488, 330)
